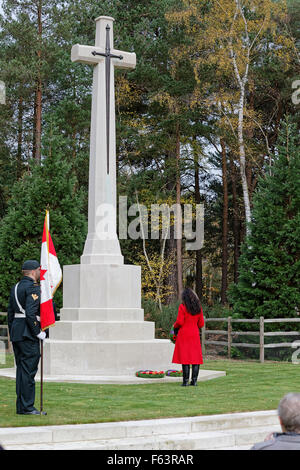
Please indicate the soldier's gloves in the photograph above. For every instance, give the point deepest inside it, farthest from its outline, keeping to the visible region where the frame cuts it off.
(41, 335)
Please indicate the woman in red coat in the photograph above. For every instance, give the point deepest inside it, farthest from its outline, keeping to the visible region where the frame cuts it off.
(188, 347)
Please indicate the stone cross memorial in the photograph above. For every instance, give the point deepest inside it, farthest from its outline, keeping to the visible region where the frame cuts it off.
(102, 246)
(102, 331)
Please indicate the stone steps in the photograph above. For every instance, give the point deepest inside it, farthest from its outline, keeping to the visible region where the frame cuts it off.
(228, 431)
(101, 314)
(103, 331)
(222, 440)
(114, 357)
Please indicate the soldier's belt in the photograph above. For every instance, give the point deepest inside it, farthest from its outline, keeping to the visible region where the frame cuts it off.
(20, 315)
(23, 315)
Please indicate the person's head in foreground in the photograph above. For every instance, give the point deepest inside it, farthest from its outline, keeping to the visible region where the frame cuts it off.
(289, 413)
(289, 418)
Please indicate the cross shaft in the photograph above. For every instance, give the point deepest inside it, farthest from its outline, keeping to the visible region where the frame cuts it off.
(102, 243)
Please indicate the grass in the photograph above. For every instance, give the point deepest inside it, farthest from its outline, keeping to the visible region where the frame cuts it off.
(247, 386)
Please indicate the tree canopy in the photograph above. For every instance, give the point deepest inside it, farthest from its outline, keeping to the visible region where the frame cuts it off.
(197, 121)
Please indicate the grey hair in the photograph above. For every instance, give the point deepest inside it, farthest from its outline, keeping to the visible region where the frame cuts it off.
(289, 412)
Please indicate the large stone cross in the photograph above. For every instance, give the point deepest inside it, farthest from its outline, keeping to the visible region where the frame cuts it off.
(102, 245)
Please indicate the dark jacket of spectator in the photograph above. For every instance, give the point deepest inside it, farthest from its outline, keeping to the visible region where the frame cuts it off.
(280, 441)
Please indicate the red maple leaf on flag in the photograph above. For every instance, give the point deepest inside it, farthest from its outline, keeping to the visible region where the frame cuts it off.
(43, 271)
(51, 281)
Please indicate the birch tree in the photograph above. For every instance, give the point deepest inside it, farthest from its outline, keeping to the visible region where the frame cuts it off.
(229, 38)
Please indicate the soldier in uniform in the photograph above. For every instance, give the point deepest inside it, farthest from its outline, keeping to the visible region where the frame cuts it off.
(25, 333)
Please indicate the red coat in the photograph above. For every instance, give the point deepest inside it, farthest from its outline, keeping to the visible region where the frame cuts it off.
(188, 347)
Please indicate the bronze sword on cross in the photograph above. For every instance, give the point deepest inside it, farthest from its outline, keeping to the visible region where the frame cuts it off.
(108, 56)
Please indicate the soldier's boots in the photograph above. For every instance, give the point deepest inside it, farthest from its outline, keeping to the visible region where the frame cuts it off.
(33, 412)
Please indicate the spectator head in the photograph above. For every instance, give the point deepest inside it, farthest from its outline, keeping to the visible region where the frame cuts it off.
(289, 413)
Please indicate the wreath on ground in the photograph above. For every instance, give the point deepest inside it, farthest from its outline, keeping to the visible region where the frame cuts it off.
(150, 374)
(174, 373)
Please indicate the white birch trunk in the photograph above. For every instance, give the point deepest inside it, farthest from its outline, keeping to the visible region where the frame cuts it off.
(242, 85)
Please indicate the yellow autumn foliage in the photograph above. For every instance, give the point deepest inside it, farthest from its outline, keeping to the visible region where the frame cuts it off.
(160, 270)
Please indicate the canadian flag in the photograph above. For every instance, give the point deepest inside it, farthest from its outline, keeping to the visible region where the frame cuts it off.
(50, 277)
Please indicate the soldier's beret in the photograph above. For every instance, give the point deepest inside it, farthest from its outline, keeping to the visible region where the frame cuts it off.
(30, 264)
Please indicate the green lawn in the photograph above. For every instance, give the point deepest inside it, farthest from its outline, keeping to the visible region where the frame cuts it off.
(248, 386)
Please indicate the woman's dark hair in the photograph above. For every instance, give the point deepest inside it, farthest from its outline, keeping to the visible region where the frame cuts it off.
(191, 301)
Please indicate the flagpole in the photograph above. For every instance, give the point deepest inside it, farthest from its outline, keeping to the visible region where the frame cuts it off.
(50, 278)
(42, 367)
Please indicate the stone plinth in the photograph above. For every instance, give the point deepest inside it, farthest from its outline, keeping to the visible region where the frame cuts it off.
(102, 331)
(102, 285)
(107, 358)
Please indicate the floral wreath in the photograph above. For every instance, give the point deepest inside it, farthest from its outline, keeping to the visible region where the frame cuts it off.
(155, 374)
(172, 336)
(174, 373)
(150, 374)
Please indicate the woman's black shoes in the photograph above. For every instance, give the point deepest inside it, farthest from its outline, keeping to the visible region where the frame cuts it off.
(195, 373)
(185, 374)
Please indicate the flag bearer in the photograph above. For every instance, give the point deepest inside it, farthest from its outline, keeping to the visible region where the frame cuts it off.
(25, 332)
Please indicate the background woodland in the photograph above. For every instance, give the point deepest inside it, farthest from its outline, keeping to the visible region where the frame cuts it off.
(210, 115)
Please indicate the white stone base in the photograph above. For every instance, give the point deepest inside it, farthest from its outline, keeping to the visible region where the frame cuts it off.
(131, 379)
(101, 251)
(102, 331)
(102, 314)
(106, 357)
(102, 286)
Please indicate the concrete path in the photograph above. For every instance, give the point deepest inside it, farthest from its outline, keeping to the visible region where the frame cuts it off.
(116, 379)
(236, 431)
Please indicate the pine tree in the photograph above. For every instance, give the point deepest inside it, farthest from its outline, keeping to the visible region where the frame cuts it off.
(269, 277)
(50, 185)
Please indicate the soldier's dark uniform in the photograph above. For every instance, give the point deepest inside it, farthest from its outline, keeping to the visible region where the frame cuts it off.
(23, 330)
